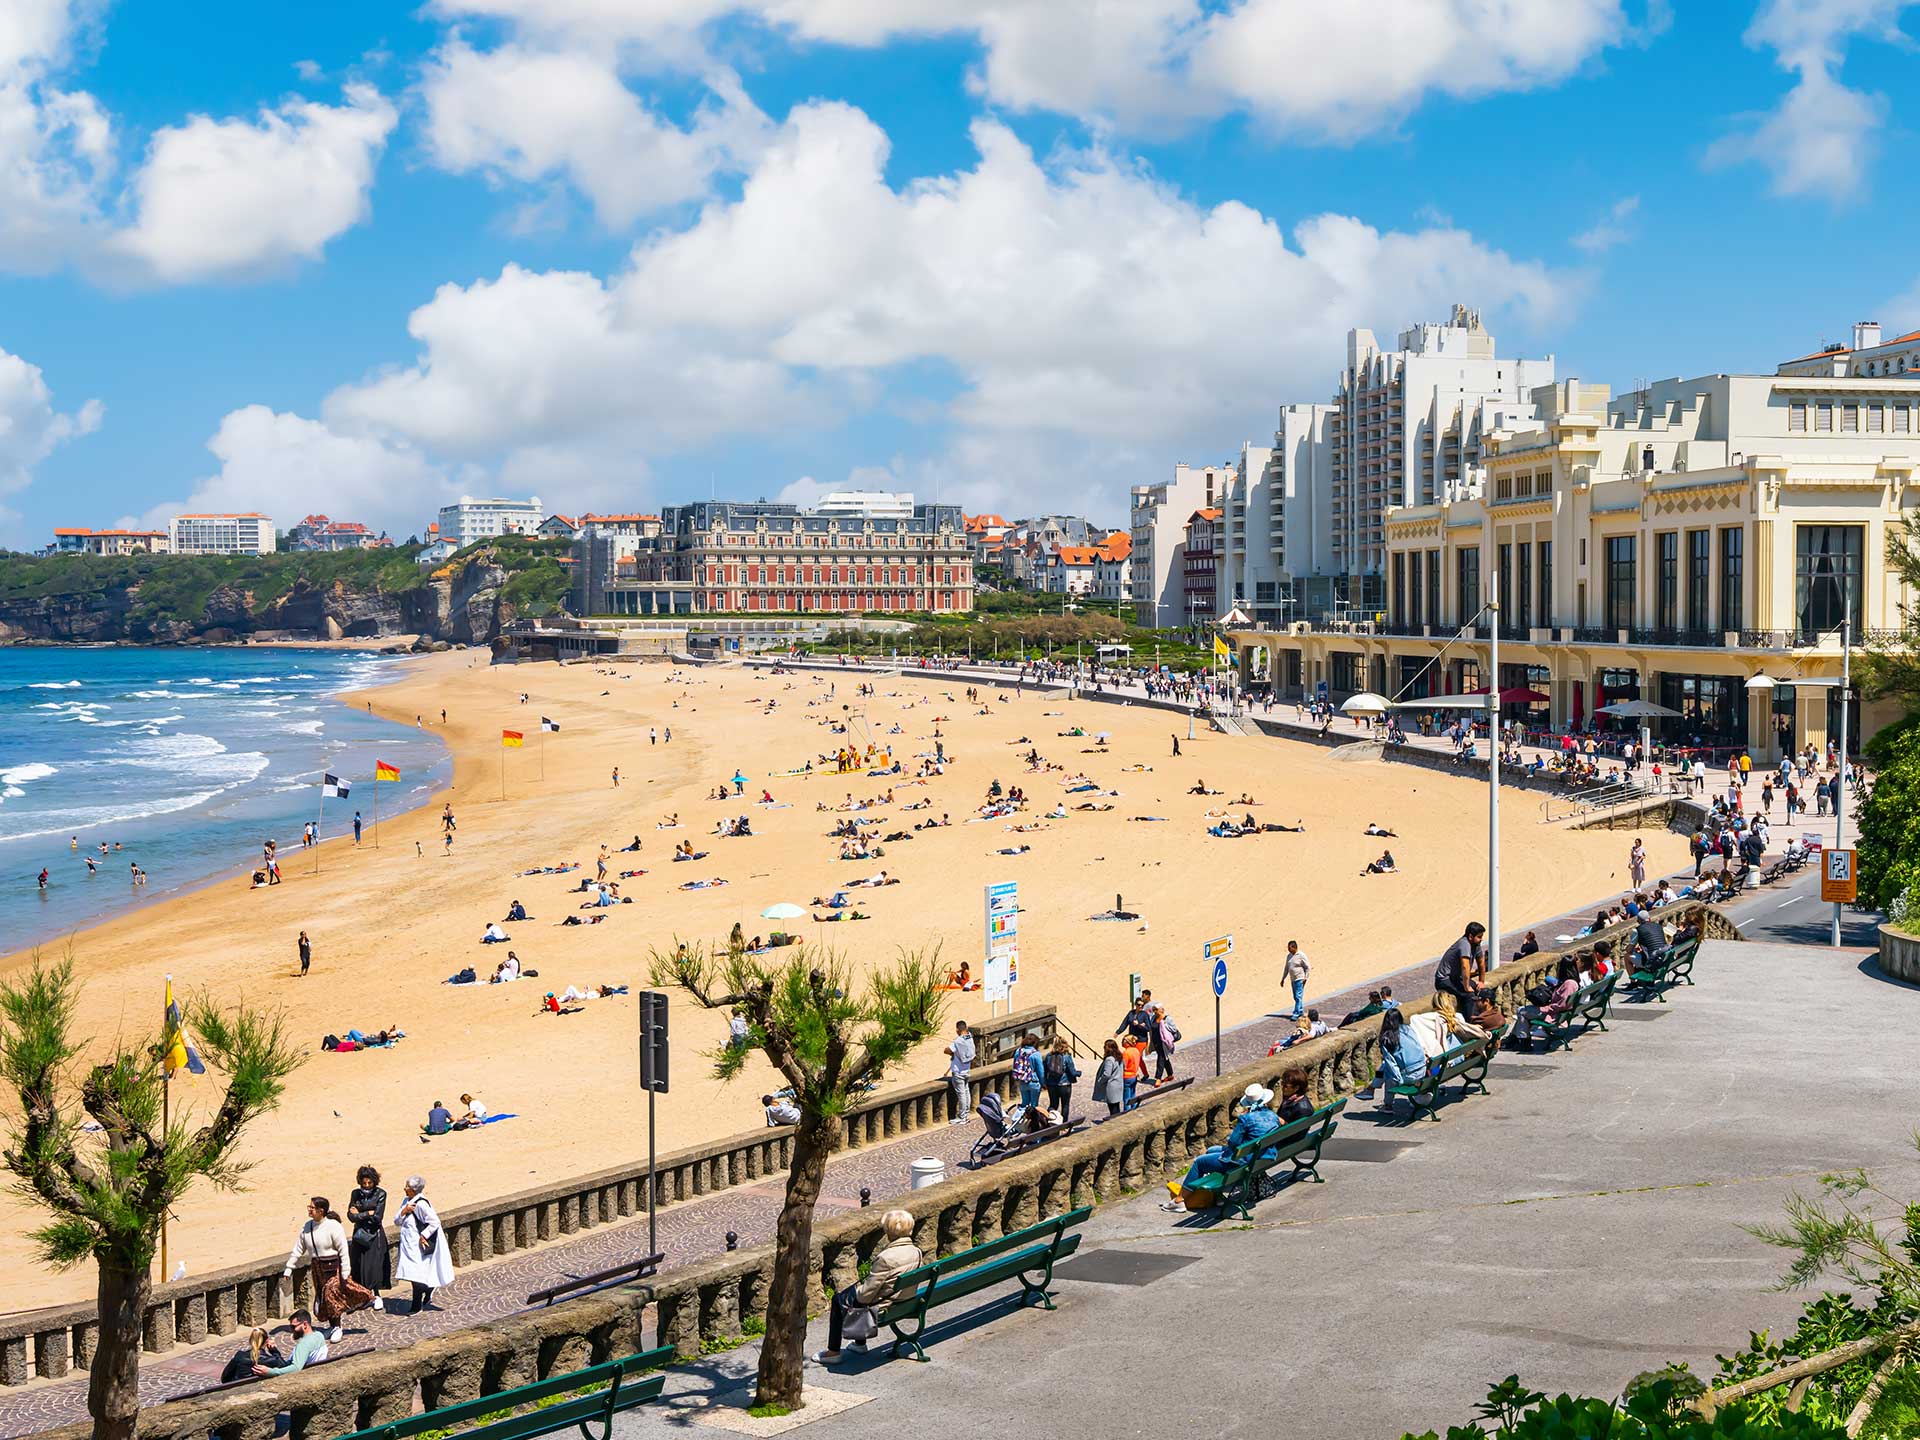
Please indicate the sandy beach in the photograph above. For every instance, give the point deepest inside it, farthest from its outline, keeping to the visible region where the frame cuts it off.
(390, 924)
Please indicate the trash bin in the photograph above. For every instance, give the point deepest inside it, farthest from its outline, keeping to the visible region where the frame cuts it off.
(927, 1171)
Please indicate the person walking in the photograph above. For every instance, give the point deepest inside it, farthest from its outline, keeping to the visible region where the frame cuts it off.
(306, 954)
(653, 736)
(1026, 1070)
(356, 827)
(367, 1246)
(1109, 1080)
(616, 777)
(1637, 862)
(1061, 1074)
(959, 1065)
(1298, 967)
(1161, 1040)
(424, 1262)
(322, 1242)
(1176, 745)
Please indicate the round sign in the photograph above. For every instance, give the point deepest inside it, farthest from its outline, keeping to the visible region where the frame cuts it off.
(1220, 977)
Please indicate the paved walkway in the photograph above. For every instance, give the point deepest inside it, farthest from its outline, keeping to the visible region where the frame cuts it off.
(698, 1229)
(1581, 1223)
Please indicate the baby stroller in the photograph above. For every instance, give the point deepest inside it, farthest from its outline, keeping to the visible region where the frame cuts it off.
(1002, 1125)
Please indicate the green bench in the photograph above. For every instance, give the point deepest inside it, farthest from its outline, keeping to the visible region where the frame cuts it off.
(1587, 1010)
(618, 1385)
(1660, 973)
(1466, 1063)
(1298, 1141)
(1027, 1256)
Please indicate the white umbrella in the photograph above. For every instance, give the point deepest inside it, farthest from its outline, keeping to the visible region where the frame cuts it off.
(1365, 703)
(782, 911)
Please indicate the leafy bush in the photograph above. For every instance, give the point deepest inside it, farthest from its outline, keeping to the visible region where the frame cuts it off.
(1889, 840)
(1905, 909)
(1657, 1411)
(1896, 1413)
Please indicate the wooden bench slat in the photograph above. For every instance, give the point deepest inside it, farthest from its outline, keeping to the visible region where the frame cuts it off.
(635, 1388)
(1018, 1256)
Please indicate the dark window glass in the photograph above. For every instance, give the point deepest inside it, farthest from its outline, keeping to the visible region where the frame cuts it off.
(1467, 581)
(1399, 607)
(1732, 578)
(1546, 582)
(1666, 613)
(1620, 582)
(1827, 574)
(1699, 579)
(1506, 584)
(1523, 589)
(1433, 588)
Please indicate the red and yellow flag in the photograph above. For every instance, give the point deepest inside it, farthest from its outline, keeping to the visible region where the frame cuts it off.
(383, 771)
(512, 739)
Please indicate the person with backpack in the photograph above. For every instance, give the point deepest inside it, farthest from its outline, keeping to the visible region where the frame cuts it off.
(1164, 1037)
(1060, 1073)
(1026, 1069)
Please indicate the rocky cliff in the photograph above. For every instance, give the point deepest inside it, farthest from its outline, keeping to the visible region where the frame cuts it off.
(464, 604)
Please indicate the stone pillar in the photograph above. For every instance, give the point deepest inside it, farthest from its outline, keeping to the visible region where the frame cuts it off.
(303, 1288)
(390, 1406)
(989, 1221)
(1132, 1166)
(334, 1415)
(558, 1354)
(51, 1357)
(190, 1319)
(678, 1321)
(569, 1209)
(1022, 1208)
(1106, 1176)
(549, 1219)
(956, 1230)
(156, 1330)
(720, 1309)
(1153, 1149)
(224, 1307)
(86, 1341)
(753, 1293)
(479, 1241)
(14, 1369)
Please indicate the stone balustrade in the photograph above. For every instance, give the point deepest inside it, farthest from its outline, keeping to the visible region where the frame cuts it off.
(709, 1303)
(51, 1343)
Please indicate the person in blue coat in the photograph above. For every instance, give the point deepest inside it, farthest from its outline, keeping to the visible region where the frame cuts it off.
(1256, 1119)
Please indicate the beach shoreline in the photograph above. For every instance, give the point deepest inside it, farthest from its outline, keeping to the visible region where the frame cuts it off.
(390, 924)
(179, 887)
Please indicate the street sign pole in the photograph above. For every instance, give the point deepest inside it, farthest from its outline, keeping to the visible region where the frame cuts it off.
(653, 1079)
(1216, 951)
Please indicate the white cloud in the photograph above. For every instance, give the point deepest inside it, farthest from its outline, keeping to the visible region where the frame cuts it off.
(1089, 314)
(1821, 140)
(1302, 66)
(1613, 228)
(55, 145)
(238, 197)
(288, 465)
(31, 428)
(530, 115)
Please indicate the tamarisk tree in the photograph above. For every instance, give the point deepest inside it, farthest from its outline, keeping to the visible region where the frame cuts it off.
(802, 1014)
(109, 1189)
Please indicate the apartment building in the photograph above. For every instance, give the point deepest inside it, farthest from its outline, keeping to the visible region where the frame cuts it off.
(1158, 524)
(470, 519)
(1867, 357)
(317, 532)
(250, 533)
(1698, 543)
(720, 557)
(1095, 571)
(75, 540)
(1407, 429)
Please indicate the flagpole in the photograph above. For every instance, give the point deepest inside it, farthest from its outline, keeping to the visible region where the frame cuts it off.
(166, 1114)
(543, 749)
(503, 767)
(321, 815)
(376, 804)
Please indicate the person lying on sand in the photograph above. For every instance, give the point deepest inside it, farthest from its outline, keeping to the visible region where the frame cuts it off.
(1200, 788)
(584, 920)
(1246, 799)
(550, 869)
(1149, 819)
(1013, 850)
(627, 849)
(1373, 829)
(873, 882)
(631, 874)
(839, 915)
(712, 884)
(1136, 769)
(1099, 809)
(672, 822)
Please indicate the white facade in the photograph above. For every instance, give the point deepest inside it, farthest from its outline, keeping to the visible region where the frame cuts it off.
(246, 534)
(1408, 431)
(1869, 356)
(1277, 532)
(867, 504)
(472, 519)
(1159, 529)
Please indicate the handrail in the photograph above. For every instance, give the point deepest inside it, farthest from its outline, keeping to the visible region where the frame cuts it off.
(1078, 1044)
(644, 1268)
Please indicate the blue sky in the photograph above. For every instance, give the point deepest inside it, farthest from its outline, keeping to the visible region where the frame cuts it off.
(1014, 253)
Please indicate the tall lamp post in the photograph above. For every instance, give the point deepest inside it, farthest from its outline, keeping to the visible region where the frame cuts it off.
(1493, 773)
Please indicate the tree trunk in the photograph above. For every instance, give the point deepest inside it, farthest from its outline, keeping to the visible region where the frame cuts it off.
(113, 1384)
(783, 1351)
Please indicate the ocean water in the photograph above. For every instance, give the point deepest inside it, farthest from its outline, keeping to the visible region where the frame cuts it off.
(188, 759)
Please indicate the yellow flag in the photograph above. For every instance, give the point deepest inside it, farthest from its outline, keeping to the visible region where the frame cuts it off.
(1222, 650)
(179, 1053)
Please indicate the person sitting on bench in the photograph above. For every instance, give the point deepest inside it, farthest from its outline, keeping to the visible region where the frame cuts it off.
(1650, 937)
(1294, 1103)
(1548, 1001)
(1402, 1060)
(1255, 1121)
(890, 1262)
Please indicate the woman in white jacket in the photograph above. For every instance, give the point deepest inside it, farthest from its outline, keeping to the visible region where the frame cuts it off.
(424, 1261)
(322, 1243)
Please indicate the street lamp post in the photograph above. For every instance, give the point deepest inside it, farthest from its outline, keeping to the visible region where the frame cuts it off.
(1840, 800)
(1493, 775)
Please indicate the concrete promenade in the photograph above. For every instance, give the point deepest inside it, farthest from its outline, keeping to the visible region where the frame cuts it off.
(1579, 1224)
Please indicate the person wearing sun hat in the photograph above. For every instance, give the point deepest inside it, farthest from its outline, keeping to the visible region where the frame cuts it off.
(1256, 1119)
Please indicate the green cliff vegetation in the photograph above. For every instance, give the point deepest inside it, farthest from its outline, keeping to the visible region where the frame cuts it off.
(181, 584)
